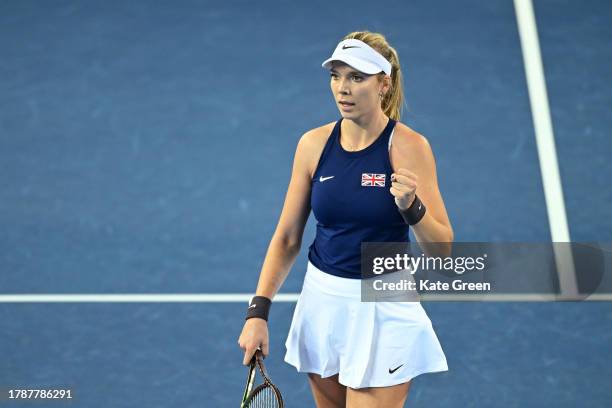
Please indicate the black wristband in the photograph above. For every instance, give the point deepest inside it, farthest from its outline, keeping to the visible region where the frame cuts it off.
(415, 212)
(259, 307)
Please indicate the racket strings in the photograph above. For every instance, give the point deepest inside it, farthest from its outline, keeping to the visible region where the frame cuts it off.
(264, 397)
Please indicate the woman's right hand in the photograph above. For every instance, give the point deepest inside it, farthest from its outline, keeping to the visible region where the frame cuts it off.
(254, 335)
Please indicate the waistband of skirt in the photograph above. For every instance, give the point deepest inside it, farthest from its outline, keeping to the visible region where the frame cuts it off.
(325, 282)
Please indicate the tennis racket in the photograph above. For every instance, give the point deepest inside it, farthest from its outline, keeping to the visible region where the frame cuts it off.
(265, 395)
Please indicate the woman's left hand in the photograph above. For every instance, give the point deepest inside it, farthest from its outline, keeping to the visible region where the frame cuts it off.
(403, 187)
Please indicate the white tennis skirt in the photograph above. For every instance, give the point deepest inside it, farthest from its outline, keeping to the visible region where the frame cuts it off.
(369, 344)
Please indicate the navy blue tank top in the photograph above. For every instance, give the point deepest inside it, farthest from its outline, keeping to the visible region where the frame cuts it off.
(352, 203)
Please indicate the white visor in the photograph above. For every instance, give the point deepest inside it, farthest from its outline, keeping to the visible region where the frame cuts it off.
(360, 56)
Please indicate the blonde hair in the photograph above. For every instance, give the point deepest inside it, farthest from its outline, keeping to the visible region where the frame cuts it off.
(393, 101)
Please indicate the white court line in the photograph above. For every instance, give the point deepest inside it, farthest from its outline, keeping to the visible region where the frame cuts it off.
(140, 298)
(245, 297)
(547, 153)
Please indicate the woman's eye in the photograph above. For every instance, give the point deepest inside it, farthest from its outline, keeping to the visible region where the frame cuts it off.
(355, 78)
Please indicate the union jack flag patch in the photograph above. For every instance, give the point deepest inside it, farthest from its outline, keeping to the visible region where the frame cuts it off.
(373, 180)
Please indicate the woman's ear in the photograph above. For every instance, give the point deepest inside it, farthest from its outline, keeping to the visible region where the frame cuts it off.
(387, 83)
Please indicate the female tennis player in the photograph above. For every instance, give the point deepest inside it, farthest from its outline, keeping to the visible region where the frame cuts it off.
(368, 178)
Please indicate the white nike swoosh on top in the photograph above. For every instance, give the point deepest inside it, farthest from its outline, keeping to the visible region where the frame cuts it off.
(322, 179)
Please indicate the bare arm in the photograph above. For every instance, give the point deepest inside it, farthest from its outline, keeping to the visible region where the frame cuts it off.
(287, 239)
(415, 167)
(284, 245)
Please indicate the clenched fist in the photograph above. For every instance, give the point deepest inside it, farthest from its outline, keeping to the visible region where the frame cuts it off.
(403, 187)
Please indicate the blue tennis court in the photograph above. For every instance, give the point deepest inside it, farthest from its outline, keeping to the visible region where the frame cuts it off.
(146, 148)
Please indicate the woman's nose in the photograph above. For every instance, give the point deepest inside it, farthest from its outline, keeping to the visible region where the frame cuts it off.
(343, 87)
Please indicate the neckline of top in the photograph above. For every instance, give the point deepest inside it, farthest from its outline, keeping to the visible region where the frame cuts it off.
(385, 132)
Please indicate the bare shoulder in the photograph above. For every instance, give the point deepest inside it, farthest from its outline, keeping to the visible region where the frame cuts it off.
(410, 150)
(408, 140)
(317, 136)
(312, 143)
